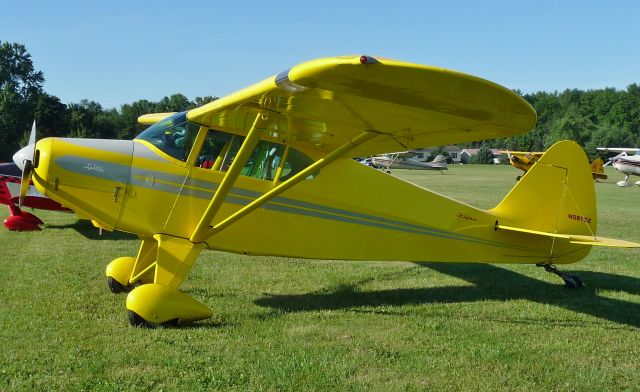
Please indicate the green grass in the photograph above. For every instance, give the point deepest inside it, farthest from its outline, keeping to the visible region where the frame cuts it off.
(288, 324)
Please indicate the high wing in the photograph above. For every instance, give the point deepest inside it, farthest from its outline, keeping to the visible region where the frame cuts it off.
(320, 105)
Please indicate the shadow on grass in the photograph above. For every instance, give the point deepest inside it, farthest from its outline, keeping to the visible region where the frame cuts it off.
(86, 229)
(203, 324)
(490, 283)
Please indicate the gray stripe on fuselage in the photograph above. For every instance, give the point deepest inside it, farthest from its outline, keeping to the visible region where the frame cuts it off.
(94, 168)
(174, 178)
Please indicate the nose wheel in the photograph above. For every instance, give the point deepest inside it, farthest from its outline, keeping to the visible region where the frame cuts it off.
(570, 281)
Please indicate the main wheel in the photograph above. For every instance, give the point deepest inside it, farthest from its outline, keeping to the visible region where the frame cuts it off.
(137, 321)
(572, 282)
(117, 287)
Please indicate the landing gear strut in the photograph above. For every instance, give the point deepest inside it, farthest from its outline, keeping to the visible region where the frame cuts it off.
(570, 281)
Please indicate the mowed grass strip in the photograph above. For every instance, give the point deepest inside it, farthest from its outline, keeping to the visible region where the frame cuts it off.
(289, 324)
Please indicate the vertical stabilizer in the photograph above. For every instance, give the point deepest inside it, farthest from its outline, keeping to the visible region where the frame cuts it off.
(556, 195)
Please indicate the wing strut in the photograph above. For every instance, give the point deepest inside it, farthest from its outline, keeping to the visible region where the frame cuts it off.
(202, 230)
(322, 162)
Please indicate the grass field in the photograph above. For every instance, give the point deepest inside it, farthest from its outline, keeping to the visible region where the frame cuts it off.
(295, 325)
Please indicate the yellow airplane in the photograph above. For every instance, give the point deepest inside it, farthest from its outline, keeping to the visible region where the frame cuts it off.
(268, 170)
(597, 169)
(524, 160)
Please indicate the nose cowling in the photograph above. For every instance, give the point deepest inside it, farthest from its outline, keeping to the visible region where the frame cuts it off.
(41, 162)
(89, 176)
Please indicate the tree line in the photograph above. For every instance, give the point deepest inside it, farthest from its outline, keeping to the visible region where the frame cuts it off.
(594, 118)
(605, 117)
(23, 99)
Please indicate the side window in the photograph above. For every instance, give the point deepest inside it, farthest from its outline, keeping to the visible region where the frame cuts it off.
(215, 147)
(294, 163)
(264, 161)
(231, 152)
(220, 149)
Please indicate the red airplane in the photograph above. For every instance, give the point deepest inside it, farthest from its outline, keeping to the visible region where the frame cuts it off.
(18, 220)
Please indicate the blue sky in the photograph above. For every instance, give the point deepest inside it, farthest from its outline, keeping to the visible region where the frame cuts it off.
(116, 52)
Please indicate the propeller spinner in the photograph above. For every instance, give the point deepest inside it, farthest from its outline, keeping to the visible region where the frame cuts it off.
(24, 160)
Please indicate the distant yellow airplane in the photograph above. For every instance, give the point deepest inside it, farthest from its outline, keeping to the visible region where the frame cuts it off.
(524, 160)
(268, 171)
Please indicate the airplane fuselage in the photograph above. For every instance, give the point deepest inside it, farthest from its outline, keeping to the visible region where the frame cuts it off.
(629, 165)
(406, 163)
(135, 187)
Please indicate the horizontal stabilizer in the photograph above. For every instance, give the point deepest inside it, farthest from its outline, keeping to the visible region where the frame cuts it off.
(576, 239)
(152, 118)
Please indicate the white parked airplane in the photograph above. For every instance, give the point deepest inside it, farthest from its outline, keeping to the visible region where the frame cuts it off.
(629, 165)
(405, 160)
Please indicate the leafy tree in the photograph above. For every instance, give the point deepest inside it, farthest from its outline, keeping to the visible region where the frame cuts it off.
(52, 116)
(129, 114)
(201, 101)
(174, 103)
(571, 126)
(82, 119)
(17, 72)
(20, 86)
(607, 135)
(632, 109)
(484, 155)
(11, 122)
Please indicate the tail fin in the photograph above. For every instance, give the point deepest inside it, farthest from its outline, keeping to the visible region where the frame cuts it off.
(439, 158)
(555, 196)
(597, 169)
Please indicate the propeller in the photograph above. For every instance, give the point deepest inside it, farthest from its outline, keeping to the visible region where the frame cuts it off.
(24, 160)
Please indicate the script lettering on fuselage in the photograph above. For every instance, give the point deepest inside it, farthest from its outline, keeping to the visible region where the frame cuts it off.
(466, 217)
(94, 167)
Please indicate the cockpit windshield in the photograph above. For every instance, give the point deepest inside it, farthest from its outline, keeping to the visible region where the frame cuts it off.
(173, 135)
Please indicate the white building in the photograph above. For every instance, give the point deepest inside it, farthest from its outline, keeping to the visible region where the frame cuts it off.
(467, 153)
(453, 151)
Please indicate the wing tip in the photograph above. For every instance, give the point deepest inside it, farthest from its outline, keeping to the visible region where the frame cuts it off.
(152, 118)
